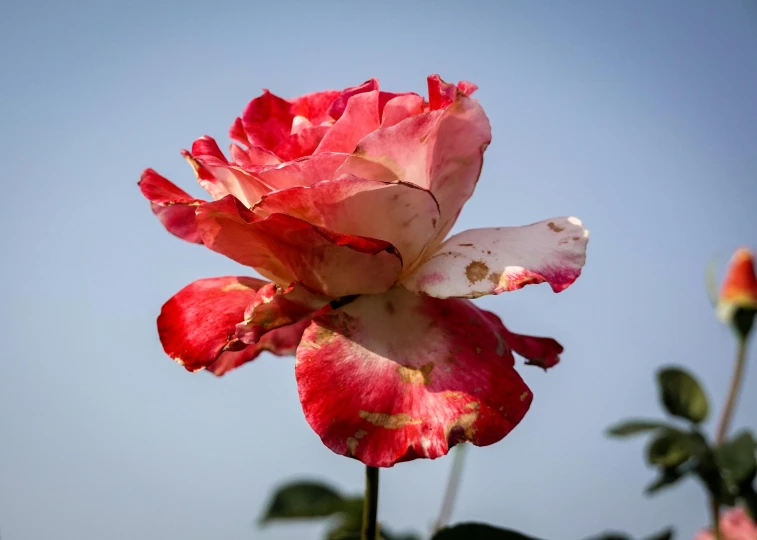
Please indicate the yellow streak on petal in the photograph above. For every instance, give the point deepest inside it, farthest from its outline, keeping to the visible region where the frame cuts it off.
(389, 421)
(236, 286)
(412, 375)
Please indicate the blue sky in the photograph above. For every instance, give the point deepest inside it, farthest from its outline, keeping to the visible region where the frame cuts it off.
(638, 117)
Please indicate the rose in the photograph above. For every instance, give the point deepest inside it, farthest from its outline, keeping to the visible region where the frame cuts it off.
(737, 302)
(735, 524)
(343, 201)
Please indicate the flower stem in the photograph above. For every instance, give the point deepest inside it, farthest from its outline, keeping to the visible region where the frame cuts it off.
(453, 483)
(370, 505)
(733, 391)
(715, 511)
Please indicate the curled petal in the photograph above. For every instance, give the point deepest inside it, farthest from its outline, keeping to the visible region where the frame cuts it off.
(339, 105)
(221, 178)
(440, 94)
(174, 207)
(491, 261)
(538, 351)
(360, 117)
(274, 307)
(282, 341)
(197, 325)
(402, 214)
(401, 107)
(440, 150)
(466, 87)
(394, 377)
(287, 249)
(266, 121)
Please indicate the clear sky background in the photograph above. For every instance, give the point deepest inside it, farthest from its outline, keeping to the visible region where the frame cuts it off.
(638, 117)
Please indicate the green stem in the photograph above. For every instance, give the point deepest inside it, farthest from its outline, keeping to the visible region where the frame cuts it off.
(453, 483)
(370, 505)
(733, 391)
(715, 511)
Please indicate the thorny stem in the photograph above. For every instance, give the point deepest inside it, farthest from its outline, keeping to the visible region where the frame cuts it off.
(733, 391)
(370, 504)
(453, 483)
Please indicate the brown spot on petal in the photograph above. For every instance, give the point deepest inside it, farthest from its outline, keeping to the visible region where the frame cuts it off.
(465, 245)
(494, 277)
(390, 308)
(413, 375)
(352, 445)
(523, 396)
(389, 421)
(476, 271)
(554, 227)
(462, 428)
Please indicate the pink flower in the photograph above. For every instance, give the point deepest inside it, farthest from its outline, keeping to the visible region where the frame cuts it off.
(735, 524)
(343, 201)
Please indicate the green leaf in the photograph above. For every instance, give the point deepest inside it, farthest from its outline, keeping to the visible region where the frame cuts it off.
(635, 427)
(672, 448)
(667, 477)
(667, 534)
(303, 500)
(682, 395)
(749, 497)
(736, 459)
(479, 531)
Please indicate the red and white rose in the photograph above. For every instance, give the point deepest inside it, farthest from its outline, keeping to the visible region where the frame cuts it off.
(343, 200)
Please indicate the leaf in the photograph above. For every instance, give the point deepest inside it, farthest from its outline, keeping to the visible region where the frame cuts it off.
(736, 459)
(667, 534)
(668, 477)
(635, 427)
(672, 447)
(303, 500)
(479, 531)
(682, 395)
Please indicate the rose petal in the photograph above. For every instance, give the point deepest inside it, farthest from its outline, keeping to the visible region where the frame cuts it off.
(490, 261)
(340, 103)
(281, 342)
(402, 214)
(538, 351)
(197, 324)
(302, 143)
(441, 150)
(467, 87)
(393, 377)
(274, 307)
(174, 207)
(360, 117)
(399, 108)
(315, 106)
(252, 157)
(287, 249)
(221, 178)
(302, 172)
(440, 94)
(266, 121)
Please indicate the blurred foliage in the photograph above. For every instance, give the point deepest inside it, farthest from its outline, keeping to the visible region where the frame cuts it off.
(727, 470)
(316, 500)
